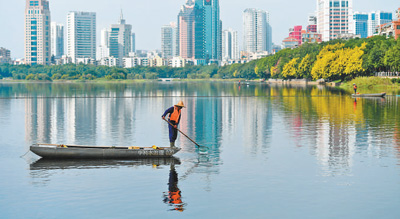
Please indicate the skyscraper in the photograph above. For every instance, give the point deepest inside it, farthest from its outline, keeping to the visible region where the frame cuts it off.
(257, 32)
(376, 18)
(103, 50)
(212, 30)
(169, 42)
(81, 35)
(230, 45)
(120, 41)
(200, 31)
(360, 24)
(133, 42)
(186, 30)
(57, 40)
(334, 18)
(37, 32)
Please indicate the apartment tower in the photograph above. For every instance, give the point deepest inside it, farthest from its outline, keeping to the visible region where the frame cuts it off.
(230, 45)
(334, 18)
(37, 32)
(81, 35)
(169, 40)
(57, 40)
(257, 32)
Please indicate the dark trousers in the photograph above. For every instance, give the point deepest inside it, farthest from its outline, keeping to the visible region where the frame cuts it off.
(355, 91)
(173, 133)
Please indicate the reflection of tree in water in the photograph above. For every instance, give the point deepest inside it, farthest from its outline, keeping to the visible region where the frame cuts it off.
(174, 197)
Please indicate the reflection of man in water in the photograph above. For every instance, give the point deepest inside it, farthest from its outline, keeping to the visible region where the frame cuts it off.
(173, 198)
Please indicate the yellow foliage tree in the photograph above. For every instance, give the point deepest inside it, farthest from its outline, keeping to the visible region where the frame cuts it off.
(304, 66)
(290, 69)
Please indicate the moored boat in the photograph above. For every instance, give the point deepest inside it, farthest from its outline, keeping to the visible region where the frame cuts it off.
(370, 95)
(60, 151)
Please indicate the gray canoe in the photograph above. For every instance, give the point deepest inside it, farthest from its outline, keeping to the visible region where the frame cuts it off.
(53, 151)
(370, 95)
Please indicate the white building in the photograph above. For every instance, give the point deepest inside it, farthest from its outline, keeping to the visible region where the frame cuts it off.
(230, 45)
(57, 40)
(334, 18)
(169, 40)
(177, 62)
(37, 32)
(81, 35)
(103, 50)
(257, 31)
(109, 61)
(377, 18)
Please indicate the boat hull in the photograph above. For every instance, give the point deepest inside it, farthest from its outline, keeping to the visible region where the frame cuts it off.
(369, 95)
(91, 152)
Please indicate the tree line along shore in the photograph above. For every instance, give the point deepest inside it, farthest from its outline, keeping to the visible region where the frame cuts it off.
(336, 60)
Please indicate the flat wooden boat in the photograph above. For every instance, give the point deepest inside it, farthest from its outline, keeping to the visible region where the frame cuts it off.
(57, 151)
(370, 95)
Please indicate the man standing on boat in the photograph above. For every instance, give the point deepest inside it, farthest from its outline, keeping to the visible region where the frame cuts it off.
(355, 88)
(174, 119)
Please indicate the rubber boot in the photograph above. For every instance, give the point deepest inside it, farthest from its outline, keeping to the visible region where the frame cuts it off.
(172, 144)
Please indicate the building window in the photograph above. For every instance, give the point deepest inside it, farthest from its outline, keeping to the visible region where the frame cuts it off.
(34, 48)
(34, 54)
(398, 27)
(34, 43)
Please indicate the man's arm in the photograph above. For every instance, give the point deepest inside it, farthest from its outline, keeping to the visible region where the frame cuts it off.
(168, 111)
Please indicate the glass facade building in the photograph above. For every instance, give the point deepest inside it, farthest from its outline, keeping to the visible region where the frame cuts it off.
(361, 24)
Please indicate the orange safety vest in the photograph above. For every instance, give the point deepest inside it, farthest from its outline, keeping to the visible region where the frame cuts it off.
(175, 197)
(355, 86)
(175, 115)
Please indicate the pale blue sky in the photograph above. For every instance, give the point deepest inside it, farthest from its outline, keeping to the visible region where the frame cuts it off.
(147, 16)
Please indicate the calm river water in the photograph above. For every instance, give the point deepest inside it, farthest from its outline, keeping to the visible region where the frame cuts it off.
(274, 152)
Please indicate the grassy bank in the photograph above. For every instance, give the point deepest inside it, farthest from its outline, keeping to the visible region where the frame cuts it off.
(372, 85)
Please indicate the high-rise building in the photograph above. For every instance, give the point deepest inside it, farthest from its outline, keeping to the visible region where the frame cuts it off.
(186, 30)
(377, 18)
(120, 39)
(169, 42)
(133, 42)
(81, 35)
(230, 45)
(334, 18)
(37, 32)
(360, 24)
(5, 55)
(103, 50)
(57, 40)
(200, 31)
(212, 30)
(257, 32)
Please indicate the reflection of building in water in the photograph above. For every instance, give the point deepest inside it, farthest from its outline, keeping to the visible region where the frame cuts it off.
(257, 116)
(335, 146)
(38, 116)
(202, 121)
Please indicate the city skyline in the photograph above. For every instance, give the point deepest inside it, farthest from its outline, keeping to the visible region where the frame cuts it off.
(141, 18)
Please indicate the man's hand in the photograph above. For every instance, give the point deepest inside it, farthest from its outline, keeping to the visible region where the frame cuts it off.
(175, 126)
(163, 117)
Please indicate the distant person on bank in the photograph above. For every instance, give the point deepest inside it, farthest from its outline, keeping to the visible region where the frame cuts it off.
(355, 88)
(174, 118)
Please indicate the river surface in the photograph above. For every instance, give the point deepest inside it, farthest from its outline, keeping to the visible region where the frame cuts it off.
(273, 152)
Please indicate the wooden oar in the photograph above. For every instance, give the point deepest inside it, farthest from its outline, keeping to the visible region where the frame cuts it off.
(184, 134)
